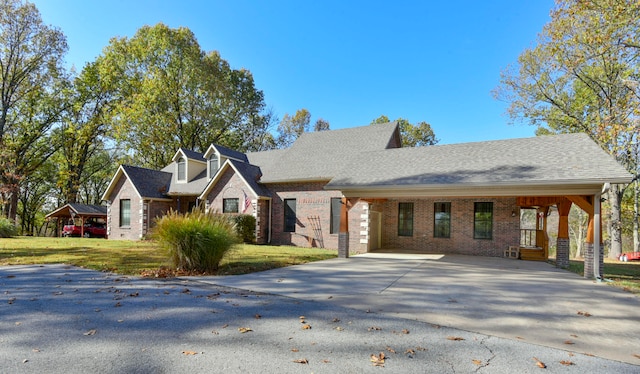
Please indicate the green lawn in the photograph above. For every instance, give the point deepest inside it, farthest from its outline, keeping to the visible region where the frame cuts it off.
(625, 275)
(145, 257)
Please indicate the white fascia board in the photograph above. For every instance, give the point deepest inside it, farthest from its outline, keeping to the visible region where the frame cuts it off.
(473, 191)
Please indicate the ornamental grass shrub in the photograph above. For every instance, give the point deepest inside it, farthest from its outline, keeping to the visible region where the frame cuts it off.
(245, 227)
(195, 241)
(7, 228)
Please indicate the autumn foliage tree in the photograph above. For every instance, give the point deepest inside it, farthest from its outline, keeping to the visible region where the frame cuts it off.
(30, 94)
(417, 135)
(582, 76)
(169, 93)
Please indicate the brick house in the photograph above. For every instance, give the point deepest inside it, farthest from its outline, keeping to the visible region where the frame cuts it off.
(358, 190)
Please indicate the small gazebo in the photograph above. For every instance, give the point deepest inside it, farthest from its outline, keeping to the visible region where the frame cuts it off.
(81, 212)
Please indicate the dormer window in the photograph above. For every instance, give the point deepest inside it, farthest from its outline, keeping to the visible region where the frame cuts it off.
(182, 169)
(213, 164)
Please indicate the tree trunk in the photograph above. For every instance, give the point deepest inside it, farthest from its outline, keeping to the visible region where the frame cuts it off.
(615, 198)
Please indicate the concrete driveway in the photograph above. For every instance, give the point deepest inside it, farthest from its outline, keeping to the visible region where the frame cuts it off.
(527, 301)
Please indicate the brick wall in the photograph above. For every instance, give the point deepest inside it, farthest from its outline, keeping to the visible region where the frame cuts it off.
(229, 186)
(311, 200)
(461, 241)
(124, 190)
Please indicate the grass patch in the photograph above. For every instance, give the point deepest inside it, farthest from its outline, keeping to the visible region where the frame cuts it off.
(144, 257)
(625, 275)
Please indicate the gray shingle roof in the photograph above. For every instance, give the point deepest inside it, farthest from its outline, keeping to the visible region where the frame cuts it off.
(85, 209)
(251, 175)
(321, 155)
(569, 158)
(230, 153)
(152, 184)
(193, 188)
(193, 155)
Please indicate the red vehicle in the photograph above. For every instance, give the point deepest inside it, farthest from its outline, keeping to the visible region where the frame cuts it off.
(629, 256)
(92, 229)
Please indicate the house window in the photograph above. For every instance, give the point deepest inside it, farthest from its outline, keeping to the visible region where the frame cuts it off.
(213, 164)
(125, 213)
(442, 220)
(230, 205)
(336, 208)
(482, 220)
(182, 169)
(405, 219)
(289, 215)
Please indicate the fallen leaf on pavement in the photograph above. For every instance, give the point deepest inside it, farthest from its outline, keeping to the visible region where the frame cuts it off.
(477, 362)
(586, 314)
(189, 353)
(302, 361)
(295, 350)
(335, 320)
(391, 350)
(566, 363)
(454, 338)
(378, 360)
(540, 363)
(568, 342)
(636, 356)
(90, 332)
(244, 329)
(306, 327)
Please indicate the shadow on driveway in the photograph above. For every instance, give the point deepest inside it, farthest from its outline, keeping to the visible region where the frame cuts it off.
(529, 301)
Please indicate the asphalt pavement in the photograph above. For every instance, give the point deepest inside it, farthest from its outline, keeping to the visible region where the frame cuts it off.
(62, 319)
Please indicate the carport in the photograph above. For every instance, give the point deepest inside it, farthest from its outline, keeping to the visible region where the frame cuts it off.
(73, 211)
(495, 178)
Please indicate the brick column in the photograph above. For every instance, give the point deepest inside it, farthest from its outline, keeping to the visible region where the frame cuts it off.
(562, 252)
(343, 245)
(589, 255)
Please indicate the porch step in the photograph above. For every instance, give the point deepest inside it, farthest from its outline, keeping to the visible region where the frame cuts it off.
(532, 254)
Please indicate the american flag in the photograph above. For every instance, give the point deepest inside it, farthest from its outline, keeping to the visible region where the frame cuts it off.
(247, 202)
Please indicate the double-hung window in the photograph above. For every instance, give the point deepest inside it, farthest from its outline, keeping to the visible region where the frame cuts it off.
(336, 208)
(483, 221)
(442, 220)
(289, 215)
(405, 219)
(125, 213)
(230, 205)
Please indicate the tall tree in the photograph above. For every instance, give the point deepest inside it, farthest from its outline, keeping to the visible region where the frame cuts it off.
(420, 134)
(172, 94)
(321, 125)
(30, 70)
(82, 132)
(582, 76)
(291, 127)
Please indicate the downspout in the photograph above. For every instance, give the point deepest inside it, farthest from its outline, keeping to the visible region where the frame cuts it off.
(597, 230)
(596, 237)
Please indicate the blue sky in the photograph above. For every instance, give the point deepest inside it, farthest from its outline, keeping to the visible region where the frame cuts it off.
(345, 61)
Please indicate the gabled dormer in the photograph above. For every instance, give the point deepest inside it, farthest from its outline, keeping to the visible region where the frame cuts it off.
(216, 155)
(188, 164)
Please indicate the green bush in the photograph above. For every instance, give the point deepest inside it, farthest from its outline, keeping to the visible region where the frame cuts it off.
(7, 228)
(245, 227)
(195, 241)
